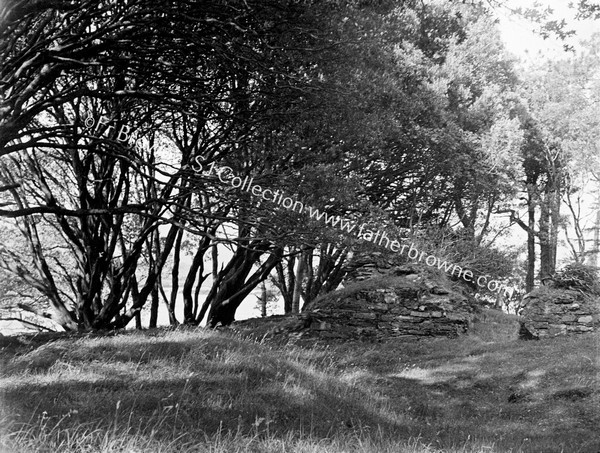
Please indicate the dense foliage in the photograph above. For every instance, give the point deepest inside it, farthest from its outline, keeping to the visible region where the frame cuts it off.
(408, 117)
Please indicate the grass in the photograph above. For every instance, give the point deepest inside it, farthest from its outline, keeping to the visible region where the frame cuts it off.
(205, 391)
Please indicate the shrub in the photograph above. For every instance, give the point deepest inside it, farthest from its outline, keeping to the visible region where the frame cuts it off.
(578, 276)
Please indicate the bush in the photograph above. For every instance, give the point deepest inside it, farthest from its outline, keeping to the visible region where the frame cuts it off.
(457, 248)
(578, 276)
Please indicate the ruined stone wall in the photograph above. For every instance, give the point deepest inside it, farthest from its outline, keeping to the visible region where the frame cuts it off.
(381, 300)
(393, 306)
(549, 312)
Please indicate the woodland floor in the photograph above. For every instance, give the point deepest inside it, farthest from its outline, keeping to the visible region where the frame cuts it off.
(204, 391)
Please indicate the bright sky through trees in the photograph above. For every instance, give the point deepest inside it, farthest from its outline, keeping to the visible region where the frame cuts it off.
(520, 39)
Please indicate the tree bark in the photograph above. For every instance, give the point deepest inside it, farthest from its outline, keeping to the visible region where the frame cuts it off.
(194, 273)
(263, 299)
(235, 285)
(286, 285)
(530, 277)
(298, 284)
(154, 302)
(594, 255)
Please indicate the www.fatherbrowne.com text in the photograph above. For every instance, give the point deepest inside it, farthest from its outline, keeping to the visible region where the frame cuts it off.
(226, 176)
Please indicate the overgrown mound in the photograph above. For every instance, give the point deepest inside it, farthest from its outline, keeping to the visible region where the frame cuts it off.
(407, 302)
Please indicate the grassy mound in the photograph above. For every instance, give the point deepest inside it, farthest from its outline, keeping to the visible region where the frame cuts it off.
(205, 391)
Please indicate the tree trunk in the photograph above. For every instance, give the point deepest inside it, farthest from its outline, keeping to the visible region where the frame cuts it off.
(284, 286)
(263, 299)
(298, 283)
(194, 273)
(594, 256)
(235, 285)
(287, 288)
(555, 221)
(545, 245)
(175, 274)
(329, 274)
(154, 307)
(530, 278)
(151, 281)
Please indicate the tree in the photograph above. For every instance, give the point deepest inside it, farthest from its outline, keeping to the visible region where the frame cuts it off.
(481, 96)
(139, 67)
(562, 99)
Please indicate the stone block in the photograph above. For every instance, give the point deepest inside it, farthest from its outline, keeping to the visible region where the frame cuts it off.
(388, 317)
(562, 301)
(541, 318)
(366, 315)
(439, 290)
(586, 320)
(408, 318)
(420, 314)
(378, 307)
(556, 329)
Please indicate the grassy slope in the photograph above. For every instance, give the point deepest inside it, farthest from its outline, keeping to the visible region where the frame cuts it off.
(183, 391)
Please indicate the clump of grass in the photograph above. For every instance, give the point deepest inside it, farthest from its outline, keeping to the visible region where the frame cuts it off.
(43, 438)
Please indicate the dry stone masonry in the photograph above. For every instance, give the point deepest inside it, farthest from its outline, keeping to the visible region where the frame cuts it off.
(404, 303)
(549, 312)
(382, 299)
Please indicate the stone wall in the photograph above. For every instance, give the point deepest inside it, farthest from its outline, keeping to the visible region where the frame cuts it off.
(373, 265)
(406, 303)
(549, 312)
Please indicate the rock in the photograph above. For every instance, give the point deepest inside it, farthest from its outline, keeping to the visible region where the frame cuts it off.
(569, 318)
(439, 290)
(419, 314)
(365, 315)
(378, 307)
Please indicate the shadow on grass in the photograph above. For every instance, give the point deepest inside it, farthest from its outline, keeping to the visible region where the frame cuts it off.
(539, 397)
(202, 385)
(516, 395)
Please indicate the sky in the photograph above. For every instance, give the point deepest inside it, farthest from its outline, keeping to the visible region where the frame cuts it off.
(520, 39)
